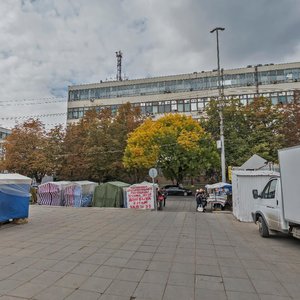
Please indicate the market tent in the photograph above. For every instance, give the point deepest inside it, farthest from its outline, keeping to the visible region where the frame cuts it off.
(51, 193)
(219, 194)
(219, 185)
(79, 193)
(110, 194)
(14, 196)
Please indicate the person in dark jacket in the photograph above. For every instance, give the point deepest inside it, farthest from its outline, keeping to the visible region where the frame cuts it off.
(201, 200)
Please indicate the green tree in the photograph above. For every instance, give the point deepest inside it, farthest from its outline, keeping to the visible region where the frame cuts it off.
(248, 130)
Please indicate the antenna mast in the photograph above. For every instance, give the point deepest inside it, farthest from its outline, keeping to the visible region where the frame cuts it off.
(119, 65)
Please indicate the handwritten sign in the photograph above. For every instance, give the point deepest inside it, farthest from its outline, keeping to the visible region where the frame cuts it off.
(140, 197)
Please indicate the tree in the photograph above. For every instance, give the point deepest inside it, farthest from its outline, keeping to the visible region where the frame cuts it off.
(24, 150)
(291, 124)
(54, 150)
(94, 146)
(175, 143)
(248, 130)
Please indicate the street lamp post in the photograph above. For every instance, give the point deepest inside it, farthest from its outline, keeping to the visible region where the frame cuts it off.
(223, 167)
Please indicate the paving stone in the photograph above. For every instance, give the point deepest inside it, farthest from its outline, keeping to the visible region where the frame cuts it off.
(63, 266)
(26, 274)
(242, 296)
(273, 297)
(160, 266)
(137, 264)
(11, 298)
(142, 256)
(155, 277)
(234, 272)
(258, 274)
(8, 285)
(96, 284)
(27, 290)
(238, 285)
(181, 279)
(71, 280)
(149, 290)
(85, 269)
(209, 282)
(97, 258)
(130, 275)
(47, 277)
(44, 264)
(114, 297)
(208, 294)
(116, 262)
(54, 293)
(122, 288)
(208, 270)
(86, 295)
(173, 292)
(107, 272)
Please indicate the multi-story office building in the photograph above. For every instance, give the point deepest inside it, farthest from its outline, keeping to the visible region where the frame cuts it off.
(3, 134)
(188, 93)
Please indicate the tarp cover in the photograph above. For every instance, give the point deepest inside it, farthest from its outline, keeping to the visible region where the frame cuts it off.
(51, 193)
(14, 196)
(110, 194)
(219, 185)
(79, 193)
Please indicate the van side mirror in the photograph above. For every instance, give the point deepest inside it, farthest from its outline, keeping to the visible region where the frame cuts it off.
(255, 194)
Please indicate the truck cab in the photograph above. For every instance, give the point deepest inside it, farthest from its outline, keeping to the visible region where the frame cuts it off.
(268, 208)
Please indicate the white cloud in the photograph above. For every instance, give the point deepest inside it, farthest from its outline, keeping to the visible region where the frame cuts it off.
(46, 45)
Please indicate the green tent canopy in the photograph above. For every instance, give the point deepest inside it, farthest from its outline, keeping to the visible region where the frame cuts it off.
(110, 194)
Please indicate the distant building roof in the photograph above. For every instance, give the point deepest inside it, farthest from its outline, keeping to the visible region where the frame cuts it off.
(255, 162)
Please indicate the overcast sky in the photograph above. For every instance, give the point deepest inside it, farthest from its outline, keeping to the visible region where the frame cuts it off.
(47, 45)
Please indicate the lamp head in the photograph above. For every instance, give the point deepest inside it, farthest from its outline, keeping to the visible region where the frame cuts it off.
(217, 28)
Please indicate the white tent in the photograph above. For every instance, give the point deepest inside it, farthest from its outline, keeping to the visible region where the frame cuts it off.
(79, 193)
(243, 182)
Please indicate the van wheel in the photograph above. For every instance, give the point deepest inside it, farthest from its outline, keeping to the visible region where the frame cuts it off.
(262, 227)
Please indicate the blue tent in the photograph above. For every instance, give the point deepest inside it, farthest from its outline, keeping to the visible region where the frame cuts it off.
(14, 196)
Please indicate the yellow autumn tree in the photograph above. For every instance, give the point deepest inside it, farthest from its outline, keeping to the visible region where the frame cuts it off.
(175, 143)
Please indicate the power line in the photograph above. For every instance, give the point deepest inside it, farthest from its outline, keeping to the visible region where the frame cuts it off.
(33, 99)
(31, 103)
(33, 116)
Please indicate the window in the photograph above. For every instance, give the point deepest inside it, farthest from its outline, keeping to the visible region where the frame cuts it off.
(167, 106)
(193, 104)
(174, 105)
(269, 190)
(187, 106)
(180, 105)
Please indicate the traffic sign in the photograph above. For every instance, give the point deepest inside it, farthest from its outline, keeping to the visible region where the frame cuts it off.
(152, 172)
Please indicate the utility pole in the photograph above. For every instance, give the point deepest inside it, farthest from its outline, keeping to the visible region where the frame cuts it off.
(221, 103)
(119, 65)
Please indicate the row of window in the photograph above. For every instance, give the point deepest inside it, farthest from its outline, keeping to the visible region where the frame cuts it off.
(188, 105)
(196, 84)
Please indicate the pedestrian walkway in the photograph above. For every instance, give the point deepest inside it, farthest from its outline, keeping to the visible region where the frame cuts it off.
(180, 204)
(121, 254)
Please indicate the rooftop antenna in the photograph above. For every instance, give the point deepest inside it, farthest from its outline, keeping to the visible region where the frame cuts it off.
(119, 65)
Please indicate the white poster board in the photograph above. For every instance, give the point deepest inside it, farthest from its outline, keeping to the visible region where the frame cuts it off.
(140, 197)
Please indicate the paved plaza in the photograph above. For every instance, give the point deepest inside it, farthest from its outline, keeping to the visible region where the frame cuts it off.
(121, 254)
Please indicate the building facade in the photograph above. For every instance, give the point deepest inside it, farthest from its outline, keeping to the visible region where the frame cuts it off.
(188, 93)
